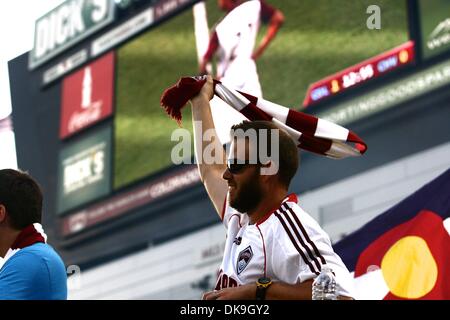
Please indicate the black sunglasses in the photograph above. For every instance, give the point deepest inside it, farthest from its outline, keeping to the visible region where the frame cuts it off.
(235, 166)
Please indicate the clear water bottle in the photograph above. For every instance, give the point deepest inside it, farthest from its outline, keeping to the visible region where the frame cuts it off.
(324, 285)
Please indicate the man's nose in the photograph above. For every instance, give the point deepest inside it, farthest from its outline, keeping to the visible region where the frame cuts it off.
(227, 174)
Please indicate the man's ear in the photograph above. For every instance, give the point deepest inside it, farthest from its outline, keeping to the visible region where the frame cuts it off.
(2, 213)
(270, 168)
(266, 172)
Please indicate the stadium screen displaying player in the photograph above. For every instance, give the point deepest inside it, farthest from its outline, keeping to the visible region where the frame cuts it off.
(318, 38)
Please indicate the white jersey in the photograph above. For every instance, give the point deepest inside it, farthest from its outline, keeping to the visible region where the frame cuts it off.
(287, 245)
(237, 35)
(236, 69)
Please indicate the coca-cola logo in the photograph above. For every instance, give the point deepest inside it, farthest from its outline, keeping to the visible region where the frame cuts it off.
(87, 96)
(84, 118)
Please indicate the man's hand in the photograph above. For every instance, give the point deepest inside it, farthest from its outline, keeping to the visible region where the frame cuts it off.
(275, 23)
(202, 68)
(245, 292)
(207, 91)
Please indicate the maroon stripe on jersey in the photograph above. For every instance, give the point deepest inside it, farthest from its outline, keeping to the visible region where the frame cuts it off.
(212, 47)
(292, 198)
(239, 219)
(294, 242)
(264, 249)
(218, 281)
(267, 12)
(299, 237)
(222, 214)
(308, 239)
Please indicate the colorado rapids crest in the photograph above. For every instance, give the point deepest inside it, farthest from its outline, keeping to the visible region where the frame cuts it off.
(243, 259)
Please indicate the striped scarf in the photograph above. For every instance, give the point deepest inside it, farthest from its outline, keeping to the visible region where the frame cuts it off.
(310, 133)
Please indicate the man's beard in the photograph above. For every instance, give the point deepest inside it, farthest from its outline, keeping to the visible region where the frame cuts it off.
(249, 196)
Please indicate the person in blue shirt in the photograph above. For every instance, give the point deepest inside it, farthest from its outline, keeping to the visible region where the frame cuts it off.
(30, 269)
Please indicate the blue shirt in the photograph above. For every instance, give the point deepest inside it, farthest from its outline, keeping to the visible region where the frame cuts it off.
(35, 272)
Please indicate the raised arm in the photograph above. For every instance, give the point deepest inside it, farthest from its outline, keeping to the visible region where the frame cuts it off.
(276, 21)
(212, 48)
(210, 173)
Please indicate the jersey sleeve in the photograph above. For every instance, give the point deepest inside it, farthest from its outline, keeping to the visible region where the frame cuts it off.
(212, 46)
(302, 248)
(267, 11)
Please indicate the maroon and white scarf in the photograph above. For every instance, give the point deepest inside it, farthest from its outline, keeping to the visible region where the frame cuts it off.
(32, 234)
(310, 133)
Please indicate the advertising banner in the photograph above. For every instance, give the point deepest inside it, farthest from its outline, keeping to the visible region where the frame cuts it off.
(67, 25)
(123, 203)
(87, 96)
(389, 95)
(434, 26)
(84, 171)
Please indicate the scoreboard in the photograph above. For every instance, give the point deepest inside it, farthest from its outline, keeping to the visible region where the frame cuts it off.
(71, 75)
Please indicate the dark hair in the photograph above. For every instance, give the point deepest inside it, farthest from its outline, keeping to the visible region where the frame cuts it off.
(288, 152)
(22, 198)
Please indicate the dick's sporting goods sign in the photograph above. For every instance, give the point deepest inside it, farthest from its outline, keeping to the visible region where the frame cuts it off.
(66, 25)
(84, 171)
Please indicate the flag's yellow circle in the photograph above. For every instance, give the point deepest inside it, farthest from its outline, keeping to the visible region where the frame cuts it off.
(409, 268)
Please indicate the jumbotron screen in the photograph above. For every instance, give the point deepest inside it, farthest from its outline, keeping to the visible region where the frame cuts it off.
(318, 38)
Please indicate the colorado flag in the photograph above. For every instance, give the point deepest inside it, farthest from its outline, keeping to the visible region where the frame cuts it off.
(405, 252)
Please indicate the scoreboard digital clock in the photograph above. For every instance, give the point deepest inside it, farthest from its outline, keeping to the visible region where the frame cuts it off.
(359, 73)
